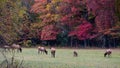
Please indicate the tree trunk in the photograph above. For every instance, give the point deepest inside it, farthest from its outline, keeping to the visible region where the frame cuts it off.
(114, 42)
(71, 41)
(103, 42)
(85, 43)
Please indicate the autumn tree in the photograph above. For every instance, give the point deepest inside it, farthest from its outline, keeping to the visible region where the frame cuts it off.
(104, 13)
(10, 19)
(47, 11)
(73, 13)
(48, 18)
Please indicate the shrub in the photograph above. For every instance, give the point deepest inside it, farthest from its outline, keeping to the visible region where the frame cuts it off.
(11, 63)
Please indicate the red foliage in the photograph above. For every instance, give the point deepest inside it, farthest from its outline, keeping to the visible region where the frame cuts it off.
(82, 31)
(73, 9)
(39, 6)
(70, 12)
(104, 12)
(49, 32)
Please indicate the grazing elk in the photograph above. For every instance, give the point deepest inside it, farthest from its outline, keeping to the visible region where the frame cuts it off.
(6, 48)
(53, 50)
(42, 50)
(75, 54)
(16, 46)
(108, 53)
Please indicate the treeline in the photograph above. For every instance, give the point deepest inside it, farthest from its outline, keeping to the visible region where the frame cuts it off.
(65, 23)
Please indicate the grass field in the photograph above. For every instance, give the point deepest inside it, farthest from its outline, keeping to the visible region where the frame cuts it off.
(87, 58)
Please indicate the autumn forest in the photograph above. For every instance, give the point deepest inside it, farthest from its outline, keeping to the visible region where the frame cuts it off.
(64, 23)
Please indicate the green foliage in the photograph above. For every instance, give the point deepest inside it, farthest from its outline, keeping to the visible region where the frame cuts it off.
(62, 39)
(28, 43)
(117, 8)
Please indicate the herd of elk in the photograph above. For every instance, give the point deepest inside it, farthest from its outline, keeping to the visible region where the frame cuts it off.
(43, 50)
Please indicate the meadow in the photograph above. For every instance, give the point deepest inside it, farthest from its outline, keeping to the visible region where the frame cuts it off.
(87, 58)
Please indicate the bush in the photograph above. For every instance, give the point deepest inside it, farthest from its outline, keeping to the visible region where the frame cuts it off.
(11, 63)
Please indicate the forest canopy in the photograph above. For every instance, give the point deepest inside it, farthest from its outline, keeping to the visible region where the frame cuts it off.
(81, 23)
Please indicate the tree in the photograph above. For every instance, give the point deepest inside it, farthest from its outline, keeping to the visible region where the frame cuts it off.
(10, 16)
(47, 11)
(103, 10)
(104, 13)
(48, 17)
(72, 11)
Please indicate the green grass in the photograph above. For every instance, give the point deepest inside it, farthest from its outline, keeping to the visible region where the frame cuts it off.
(87, 58)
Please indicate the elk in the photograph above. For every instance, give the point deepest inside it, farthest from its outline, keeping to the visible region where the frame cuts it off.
(53, 50)
(42, 50)
(75, 54)
(108, 53)
(16, 46)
